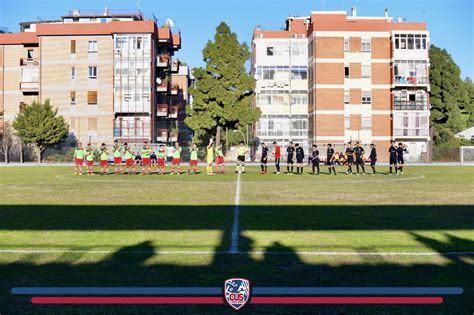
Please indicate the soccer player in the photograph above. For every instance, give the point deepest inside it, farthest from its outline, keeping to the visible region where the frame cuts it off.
(146, 162)
(392, 150)
(129, 163)
(264, 158)
(350, 157)
(330, 159)
(373, 157)
(90, 159)
(314, 158)
(220, 158)
(161, 159)
(401, 149)
(117, 151)
(176, 159)
(79, 158)
(290, 159)
(153, 158)
(210, 157)
(193, 161)
(299, 152)
(104, 159)
(359, 154)
(241, 152)
(277, 154)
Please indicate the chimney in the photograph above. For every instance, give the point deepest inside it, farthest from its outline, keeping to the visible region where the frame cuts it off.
(386, 13)
(354, 11)
(106, 11)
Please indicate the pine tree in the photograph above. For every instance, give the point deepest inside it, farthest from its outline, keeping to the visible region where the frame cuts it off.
(222, 96)
(446, 96)
(39, 125)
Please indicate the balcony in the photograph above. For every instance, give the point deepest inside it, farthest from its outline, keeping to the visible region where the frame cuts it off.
(29, 62)
(410, 133)
(174, 89)
(29, 86)
(173, 113)
(163, 86)
(162, 135)
(410, 105)
(175, 66)
(162, 110)
(162, 61)
(411, 80)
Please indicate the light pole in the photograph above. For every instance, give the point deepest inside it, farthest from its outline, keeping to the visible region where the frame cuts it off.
(243, 136)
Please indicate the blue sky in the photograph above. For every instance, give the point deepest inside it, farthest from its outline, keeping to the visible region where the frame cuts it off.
(451, 22)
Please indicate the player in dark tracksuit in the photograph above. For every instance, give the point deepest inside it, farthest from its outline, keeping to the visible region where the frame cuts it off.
(400, 161)
(290, 158)
(373, 157)
(392, 151)
(299, 159)
(264, 159)
(359, 153)
(350, 157)
(330, 159)
(314, 158)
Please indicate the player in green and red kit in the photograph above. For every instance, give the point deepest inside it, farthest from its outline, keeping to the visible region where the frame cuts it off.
(79, 158)
(129, 162)
(193, 161)
(104, 159)
(146, 158)
(117, 151)
(176, 159)
(161, 159)
(219, 159)
(90, 159)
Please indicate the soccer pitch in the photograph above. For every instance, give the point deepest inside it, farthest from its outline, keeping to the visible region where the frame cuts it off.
(415, 230)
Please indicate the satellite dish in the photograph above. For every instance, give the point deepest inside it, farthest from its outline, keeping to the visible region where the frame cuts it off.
(158, 81)
(169, 22)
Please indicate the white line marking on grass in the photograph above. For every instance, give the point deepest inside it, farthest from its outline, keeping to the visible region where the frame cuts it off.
(154, 178)
(234, 242)
(303, 253)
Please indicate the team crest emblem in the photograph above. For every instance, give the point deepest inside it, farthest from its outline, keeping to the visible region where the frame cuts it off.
(237, 292)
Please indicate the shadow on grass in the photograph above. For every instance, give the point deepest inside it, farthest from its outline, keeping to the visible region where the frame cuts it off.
(135, 265)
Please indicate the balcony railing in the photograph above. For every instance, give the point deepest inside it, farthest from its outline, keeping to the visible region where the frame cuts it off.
(413, 132)
(162, 110)
(416, 80)
(162, 135)
(29, 62)
(29, 86)
(174, 89)
(175, 66)
(410, 105)
(162, 60)
(173, 112)
(163, 86)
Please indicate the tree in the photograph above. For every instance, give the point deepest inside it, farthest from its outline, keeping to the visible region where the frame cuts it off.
(222, 95)
(448, 98)
(469, 101)
(7, 140)
(39, 125)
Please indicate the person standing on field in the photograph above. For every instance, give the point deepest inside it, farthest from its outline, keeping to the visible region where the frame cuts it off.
(330, 159)
(241, 152)
(117, 152)
(193, 160)
(392, 151)
(315, 160)
(350, 157)
(210, 157)
(401, 149)
(146, 158)
(90, 159)
(299, 152)
(79, 158)
(359, 154)
(161, 159)
(104, 159)
(277, 155)
(129, 163)
(373, 157)
(290, 158)
(264, 159)
(220, 159)
(176, 162)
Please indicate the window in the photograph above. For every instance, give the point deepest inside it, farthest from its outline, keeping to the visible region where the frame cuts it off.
(410, 42)
(366, 45)
(346, 45)
(346, 96)
(270, 125)
(30, 53)
(346, 71)
(93, 72)
(92, 97)
(366, 97)
(367, 122)
(72, 95)
(73, 46)
(270, 51)
(92, 46)
(366, 71)
(92, 124)
(347, 122)
(73, 73)
(139, 43)
(403, 41)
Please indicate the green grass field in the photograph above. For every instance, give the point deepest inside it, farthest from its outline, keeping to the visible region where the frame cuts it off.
(57, 229)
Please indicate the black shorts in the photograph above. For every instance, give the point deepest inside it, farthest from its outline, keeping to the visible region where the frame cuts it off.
(393, 161)
(329, 162)
(241, 158)
(289, 159)
(350, 160)
(400, 161)
(299, 160)
(372, 162)
(359, 161)
(315, 161)
(263, 160)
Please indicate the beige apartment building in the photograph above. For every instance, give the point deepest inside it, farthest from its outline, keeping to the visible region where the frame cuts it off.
(104, 72)
(367, 78)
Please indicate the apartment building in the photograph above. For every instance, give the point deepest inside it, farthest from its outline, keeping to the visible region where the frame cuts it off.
(367, 79)
(103, 71)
